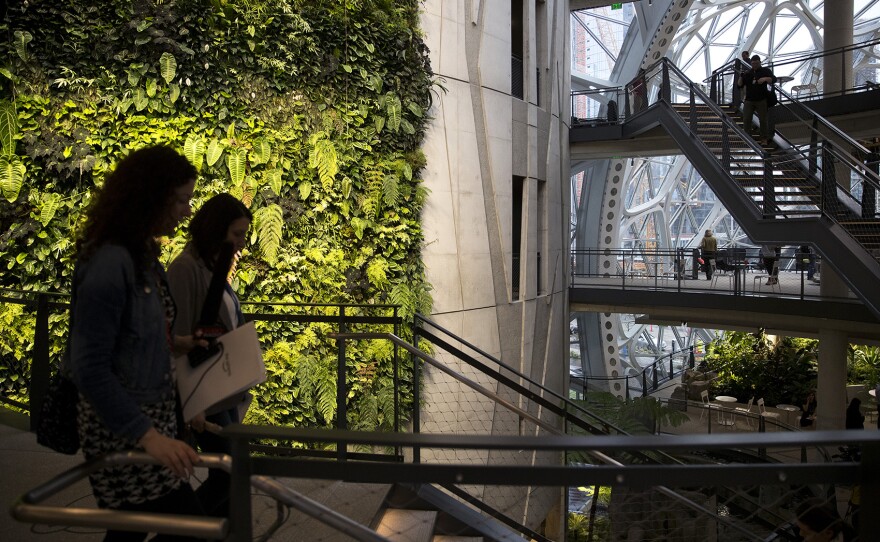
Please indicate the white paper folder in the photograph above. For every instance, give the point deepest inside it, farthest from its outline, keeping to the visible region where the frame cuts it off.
(237, 367)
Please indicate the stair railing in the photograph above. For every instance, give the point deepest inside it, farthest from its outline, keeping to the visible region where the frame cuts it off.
(600, 457)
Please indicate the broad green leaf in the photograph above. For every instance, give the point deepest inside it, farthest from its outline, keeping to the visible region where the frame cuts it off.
(151, 87)
(406, 169)
(380, 123)
(48, 205)
(194, 150)
(8, 128)
(251, 45)
(22, 38)
(407, 127)
(12, 173)
(305, 188)
(393, 110)
(275, 180)
(7, 74)
(346, 187)
(269, 221)
(347, 68)
(415, 109)
(213, 152)
(167, 67)
(236, 162)
(230, 130)
(359, 225)
(133, 77)
(173, 92)
(261, 152)
(140, 99)
(251, 30)
(142, 40)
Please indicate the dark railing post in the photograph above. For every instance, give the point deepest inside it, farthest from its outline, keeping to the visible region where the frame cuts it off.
(725, 146)
(341, 388)
(769, 192)
(396, 376)
(665, 85)
(691, 359)
(416, 393)
(693, 109)
(240, 491)
(869, 193)
(713, 87)
(655, 379)
(829, 181)
(814, 146)
(644, 384)
(870, 490)
(40, 362)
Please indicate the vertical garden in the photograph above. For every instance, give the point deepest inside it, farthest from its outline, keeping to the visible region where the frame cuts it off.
(312, 112)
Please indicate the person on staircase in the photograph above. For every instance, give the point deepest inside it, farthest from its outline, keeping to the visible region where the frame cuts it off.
(708, 251)
(755, 83)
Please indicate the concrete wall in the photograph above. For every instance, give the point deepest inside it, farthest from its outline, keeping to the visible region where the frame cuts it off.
(480, 139)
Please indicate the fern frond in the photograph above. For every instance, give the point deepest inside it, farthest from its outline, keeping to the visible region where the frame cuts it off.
(390, 190)
(323, 158)
(269, 223)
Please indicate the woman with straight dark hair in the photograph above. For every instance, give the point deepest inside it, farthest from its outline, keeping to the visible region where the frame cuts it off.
(222, 219)
(119, 351)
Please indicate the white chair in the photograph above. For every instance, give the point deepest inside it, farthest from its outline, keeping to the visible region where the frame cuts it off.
(707, 405)
(763, 411)
(811, 84)
(747, 410)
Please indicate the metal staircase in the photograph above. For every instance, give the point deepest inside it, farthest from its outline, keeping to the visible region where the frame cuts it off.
(789, 194)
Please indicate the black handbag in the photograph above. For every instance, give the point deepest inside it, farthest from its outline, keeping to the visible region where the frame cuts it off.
(56, 427)
(772, 98)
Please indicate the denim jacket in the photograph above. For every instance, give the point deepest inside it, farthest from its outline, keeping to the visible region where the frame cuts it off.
(119, 356)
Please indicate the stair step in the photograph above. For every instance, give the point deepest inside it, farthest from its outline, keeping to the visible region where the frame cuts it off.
(402, 525)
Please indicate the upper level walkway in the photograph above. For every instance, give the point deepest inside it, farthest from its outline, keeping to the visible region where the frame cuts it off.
(737, 299)
(857, 114)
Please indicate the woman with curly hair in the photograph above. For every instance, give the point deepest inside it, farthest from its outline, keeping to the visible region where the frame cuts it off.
(119, 353)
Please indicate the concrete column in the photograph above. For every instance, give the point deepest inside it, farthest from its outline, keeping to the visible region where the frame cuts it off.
(838, 33)
(831, 392)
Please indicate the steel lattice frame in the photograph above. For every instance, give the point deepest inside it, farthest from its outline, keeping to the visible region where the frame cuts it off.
(663, 201)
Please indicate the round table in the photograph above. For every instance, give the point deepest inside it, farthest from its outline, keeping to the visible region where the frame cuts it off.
(721, 419)
(788, 411)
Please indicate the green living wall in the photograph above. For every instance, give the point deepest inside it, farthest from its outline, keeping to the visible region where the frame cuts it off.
(312, 112)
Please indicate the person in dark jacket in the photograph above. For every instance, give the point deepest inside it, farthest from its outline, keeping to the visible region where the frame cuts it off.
(120, 348)
(755, 84)
(709, 251)
(854, 417)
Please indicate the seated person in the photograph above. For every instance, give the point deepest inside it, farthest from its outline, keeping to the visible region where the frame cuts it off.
(808, 410)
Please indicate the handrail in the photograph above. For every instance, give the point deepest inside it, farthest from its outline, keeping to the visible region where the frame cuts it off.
(27, 508)
(562, 412)
(602, 457)
(797, 59)
(612, 475)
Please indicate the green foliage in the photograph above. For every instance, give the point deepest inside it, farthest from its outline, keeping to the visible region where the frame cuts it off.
(863, 365)
(278, 102)
(779, 369)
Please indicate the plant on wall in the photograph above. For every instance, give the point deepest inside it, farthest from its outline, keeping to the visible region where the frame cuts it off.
(312, 112)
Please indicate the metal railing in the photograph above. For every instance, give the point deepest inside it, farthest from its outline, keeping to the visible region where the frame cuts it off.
(652, 376)
(700, 482)
(598, 107)
(738, 271)
(722, 81)
(33, 374)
